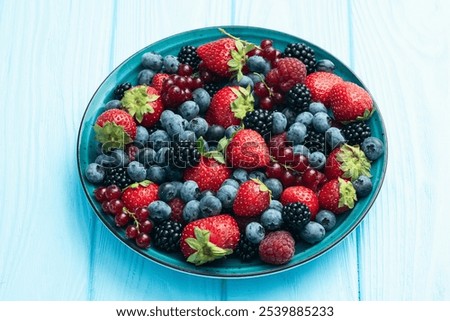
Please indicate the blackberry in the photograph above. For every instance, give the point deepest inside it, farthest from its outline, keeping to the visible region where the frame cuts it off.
(120, 90)
(117, 176)
(296, 216)
(259, 120)
(298, 98)
(211, 88)
(246, 250)
(355, 133)
(302, 52)
(315, 141)
(183, 154)
(188, 55)
(167, 235)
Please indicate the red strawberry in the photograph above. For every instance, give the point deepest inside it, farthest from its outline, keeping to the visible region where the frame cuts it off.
(320, 84)
(252, 198)
(158, 80)
(301, 194)
(210, 238)
(229, 105)
(209, 174)
(347, 162)
(337, 196)
(248, 150)
(277, 248)
(350, 102)
(139, 195)
(115, 127)
(144, 104)
(177, 206)
(288, 72)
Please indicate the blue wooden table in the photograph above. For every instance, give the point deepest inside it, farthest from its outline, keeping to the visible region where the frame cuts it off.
(53, 56)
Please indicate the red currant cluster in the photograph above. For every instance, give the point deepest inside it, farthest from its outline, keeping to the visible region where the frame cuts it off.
(138, 225)
(178, 88)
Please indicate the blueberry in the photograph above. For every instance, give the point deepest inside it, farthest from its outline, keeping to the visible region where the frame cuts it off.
(363, 186)
(205, 193)
(145, 77)
(334, 137)
(231, 182)
(279, 122)
(210, 206)
(153, 61)
(229, 132)
(258, 64)
(158, 139)
(175, 126)
(305, 118)
(325, 65)
(276, 205)
(141, 136)
(321, 122)
(189, 109)
(95, 173)
(174, 174)
(191, 211)
(271, 219)
(290, 116)
(372, 147)
(166, 117)
(226, 194)
(240, 175)
(121, 157)
(301, 150)
(315, 107)
(258, 175)
(214, 133)
(199, 126)
(317, 160)
(146, 156)
(178, 185)
(167, 191)
(106, 160)
(162, 156)
(202, 98)
(254, 232)
(136, 171)
(296, 133)
(244, 82)
(170, 64)
(159, 211)
(275, 187)
(255, 77)
(312, 233)
(327, 219)
(189, 191)
(156, 174)
(187, 135)
(113, 104)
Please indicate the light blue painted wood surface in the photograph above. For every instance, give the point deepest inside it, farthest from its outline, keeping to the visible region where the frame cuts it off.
(53, 56)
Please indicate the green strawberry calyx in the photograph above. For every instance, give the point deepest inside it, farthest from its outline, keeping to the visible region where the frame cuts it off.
(354, 162)
(144, 183)
(239, 55)
(262, 187)
(137, 102)
(205, 251)
(112, 136)
(216, 154)
(347, 194)
(243, 103)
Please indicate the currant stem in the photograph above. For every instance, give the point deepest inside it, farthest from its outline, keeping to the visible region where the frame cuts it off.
(238, 39)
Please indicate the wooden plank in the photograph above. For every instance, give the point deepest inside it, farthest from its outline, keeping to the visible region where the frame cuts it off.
(52, 61)
(401, 53)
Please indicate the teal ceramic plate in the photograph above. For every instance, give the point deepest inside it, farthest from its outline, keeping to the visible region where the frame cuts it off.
(229, 268)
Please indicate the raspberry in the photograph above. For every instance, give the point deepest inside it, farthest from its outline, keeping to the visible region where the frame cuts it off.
(289, 71)
(302, 52)
(158, 81)
(177, 206)
(277, 248)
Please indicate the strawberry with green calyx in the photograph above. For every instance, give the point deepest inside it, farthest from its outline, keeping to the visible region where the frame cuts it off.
(229, 106)
(248, 150)
(208, 239)
(337, 196)
(227, 56)
(139, 195)
(348, 162)
(144, 104)
(350, 102)
(252, 198)
(115, 128)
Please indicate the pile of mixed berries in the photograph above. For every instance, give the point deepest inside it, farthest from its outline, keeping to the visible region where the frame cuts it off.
(231, 148)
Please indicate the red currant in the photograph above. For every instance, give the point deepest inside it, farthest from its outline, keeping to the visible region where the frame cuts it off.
(142, 214)
(277, 98)
(185, 70)
(261, 90)
(115, 206)
(131, 231)
(100, 195)
(121, 219)
(285, 155)
(196, 83)
(147, 226)
(113, 192)
(266, 103)
(105, 207)
(266, 43)
(254, 52)
(288, 179)
(143, 240)
(275, 170)
(313, 179)
(299, 163)
(270, 53)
